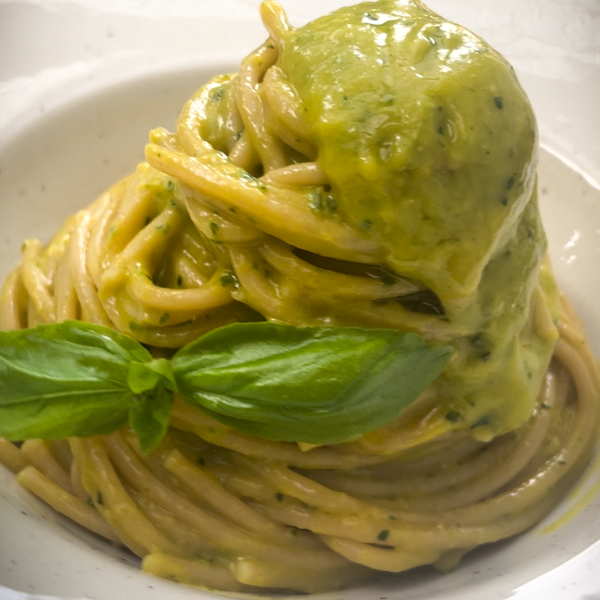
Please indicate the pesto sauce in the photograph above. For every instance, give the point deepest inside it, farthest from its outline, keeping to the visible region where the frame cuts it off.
(420, 127)
(430, 146)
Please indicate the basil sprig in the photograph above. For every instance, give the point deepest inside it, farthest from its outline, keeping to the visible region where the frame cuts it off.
(320, 385)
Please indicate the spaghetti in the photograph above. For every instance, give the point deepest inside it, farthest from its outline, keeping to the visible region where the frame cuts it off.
(252, 210)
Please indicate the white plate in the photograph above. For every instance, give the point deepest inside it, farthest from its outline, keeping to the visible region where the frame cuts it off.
(86, 81)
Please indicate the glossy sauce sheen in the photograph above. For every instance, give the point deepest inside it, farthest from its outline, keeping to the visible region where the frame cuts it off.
(430, 145)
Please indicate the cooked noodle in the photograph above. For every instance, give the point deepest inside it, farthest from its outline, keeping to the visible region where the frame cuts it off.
(229, 220)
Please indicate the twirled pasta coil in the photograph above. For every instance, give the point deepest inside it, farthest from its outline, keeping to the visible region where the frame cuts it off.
(231, 220)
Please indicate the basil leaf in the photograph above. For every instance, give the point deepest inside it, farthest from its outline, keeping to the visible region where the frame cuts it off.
(142, 377)
(149, 416)
(65, 379)
(152, 382)
(320, 385)
(315, 384)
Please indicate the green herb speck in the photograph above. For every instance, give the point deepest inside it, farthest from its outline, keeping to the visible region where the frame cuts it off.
(228, 279)
(481, 422)
(453, 416)
(383, 535)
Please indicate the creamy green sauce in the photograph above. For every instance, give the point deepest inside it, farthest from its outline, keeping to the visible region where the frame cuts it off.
(430, 145)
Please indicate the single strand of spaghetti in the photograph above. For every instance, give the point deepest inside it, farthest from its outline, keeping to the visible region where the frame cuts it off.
(61, 451)
(291, 576)
(568, 315)
(35, 281)
(192, 572)
(33, 316)
(51, 255)
(281, 211)
(289, 483)
(275, 22)
(197, 254)
(421, 422)
(450, 559)
(76, 484)
(113, 502)
(179, 335)
(257, 288)
(11, 456)
(244, 154)
(188, 269)
(65, 295)
(39, 455)
(98, 256)
(251, 109)
(64, 502)
(233, 123)
(294, 146)
(81, 256)
(308, 174)
(571, 333)
(541, 312)
(13, 303)
(388, 559)
(281, 109)
(193, 117)
(212, 295)
(285, 103)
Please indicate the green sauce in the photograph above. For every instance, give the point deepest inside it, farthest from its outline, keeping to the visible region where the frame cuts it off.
(430, 146)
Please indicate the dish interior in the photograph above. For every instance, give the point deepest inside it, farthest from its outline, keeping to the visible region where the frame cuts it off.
(61, 162)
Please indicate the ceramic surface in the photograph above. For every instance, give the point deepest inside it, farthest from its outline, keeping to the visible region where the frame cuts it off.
(82, 82)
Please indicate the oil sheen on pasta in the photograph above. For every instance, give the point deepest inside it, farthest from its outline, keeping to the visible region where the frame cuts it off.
(373, 168)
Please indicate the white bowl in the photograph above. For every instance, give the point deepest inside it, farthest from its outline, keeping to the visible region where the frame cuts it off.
(85, 83)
